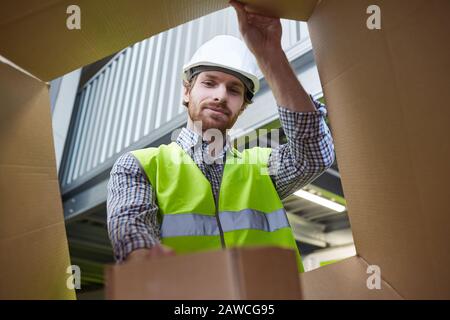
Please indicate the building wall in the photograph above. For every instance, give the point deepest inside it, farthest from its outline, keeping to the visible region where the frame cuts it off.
(62, 97)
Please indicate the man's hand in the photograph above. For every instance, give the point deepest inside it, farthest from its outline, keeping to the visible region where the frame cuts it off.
(157, 251)
(262, 34)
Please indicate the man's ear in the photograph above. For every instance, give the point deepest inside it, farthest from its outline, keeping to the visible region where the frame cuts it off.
(186, 94)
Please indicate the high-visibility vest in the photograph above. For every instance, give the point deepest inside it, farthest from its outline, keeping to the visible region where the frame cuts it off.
(249, 210)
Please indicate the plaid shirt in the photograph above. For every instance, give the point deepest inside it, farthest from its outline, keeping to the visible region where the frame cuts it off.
(131, 203)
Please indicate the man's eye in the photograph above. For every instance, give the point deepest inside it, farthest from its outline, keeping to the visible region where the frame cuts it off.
(208, 83)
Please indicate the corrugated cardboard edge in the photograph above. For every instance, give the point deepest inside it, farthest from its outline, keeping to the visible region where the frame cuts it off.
(15, 66)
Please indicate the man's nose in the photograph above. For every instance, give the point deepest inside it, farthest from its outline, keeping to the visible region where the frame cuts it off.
(220, 94)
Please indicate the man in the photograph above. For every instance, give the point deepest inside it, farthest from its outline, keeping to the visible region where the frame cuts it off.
(189, 196)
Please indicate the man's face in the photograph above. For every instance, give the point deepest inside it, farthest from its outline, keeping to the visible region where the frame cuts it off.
(216, 99)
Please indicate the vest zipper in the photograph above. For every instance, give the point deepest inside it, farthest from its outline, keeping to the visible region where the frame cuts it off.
(222, 238)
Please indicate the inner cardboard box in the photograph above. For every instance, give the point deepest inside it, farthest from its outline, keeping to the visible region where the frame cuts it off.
(386, 92)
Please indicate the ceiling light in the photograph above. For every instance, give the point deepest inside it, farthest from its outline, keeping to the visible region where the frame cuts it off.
(319, 200)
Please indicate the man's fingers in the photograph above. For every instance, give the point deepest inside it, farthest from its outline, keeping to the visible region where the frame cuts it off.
(237, 5)
(167, 250)
(250, 9)
(240, 11)
(260, 17)
(163, 250)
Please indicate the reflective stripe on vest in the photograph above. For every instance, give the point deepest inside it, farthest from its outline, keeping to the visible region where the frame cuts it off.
(187, 224)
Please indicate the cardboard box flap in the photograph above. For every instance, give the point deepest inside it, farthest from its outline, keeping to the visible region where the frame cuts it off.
(27, 161)
(178, 277)
(345, 280)
(33, 244)
(386, 92)
(244, 273)
(107, 26)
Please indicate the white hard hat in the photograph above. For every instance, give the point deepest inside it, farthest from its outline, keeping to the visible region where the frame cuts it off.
(226, 53)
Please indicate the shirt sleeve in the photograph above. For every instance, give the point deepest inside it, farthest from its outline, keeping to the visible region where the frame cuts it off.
(309, 150)
(131, 209)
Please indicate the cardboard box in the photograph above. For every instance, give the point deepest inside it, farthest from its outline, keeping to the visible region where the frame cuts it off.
(33, 244)
(250, 273)
(387, 95)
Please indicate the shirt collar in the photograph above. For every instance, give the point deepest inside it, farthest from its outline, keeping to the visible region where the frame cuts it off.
(188, 139)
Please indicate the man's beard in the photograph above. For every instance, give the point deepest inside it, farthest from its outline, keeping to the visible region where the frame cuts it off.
(221, 122)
